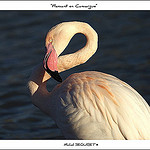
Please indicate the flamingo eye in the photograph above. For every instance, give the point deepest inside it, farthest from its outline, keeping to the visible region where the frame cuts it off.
(50, 40)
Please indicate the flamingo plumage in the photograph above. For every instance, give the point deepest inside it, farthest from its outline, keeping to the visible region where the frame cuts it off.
(88, 105)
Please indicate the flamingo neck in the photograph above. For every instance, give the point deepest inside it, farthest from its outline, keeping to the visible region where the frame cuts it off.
(37, 81)
(66, 62)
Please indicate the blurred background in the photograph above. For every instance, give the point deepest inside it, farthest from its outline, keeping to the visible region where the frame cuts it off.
(124, 51)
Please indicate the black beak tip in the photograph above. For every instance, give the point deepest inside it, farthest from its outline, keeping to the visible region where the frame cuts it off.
(55, 75)
(58, 78)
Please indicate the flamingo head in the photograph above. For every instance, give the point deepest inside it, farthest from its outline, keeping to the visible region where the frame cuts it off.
(56, 41)
(50, 62)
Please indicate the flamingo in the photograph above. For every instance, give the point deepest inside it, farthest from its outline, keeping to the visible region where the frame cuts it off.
(88, 105)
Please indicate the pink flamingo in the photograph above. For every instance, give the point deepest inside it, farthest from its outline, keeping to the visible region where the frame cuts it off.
(87, 105)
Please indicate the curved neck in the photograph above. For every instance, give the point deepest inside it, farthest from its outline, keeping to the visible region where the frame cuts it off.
(37, 81)
(66, 62)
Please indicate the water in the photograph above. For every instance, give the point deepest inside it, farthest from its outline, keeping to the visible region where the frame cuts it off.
(123, 52)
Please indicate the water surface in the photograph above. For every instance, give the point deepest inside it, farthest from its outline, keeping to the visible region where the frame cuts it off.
(124, 51)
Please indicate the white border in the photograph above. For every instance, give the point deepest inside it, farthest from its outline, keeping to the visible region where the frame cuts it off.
(59, 144)
(100, 5)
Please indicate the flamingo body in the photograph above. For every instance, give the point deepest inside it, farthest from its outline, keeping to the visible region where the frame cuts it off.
(100, 106)
(88, 105)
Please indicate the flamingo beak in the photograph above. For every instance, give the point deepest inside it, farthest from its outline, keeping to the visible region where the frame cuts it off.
(50, 63)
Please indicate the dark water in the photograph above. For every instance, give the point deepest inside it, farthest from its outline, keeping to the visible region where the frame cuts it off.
(124, 51)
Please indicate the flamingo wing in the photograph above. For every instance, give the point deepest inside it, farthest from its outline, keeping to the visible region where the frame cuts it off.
(93, 105)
